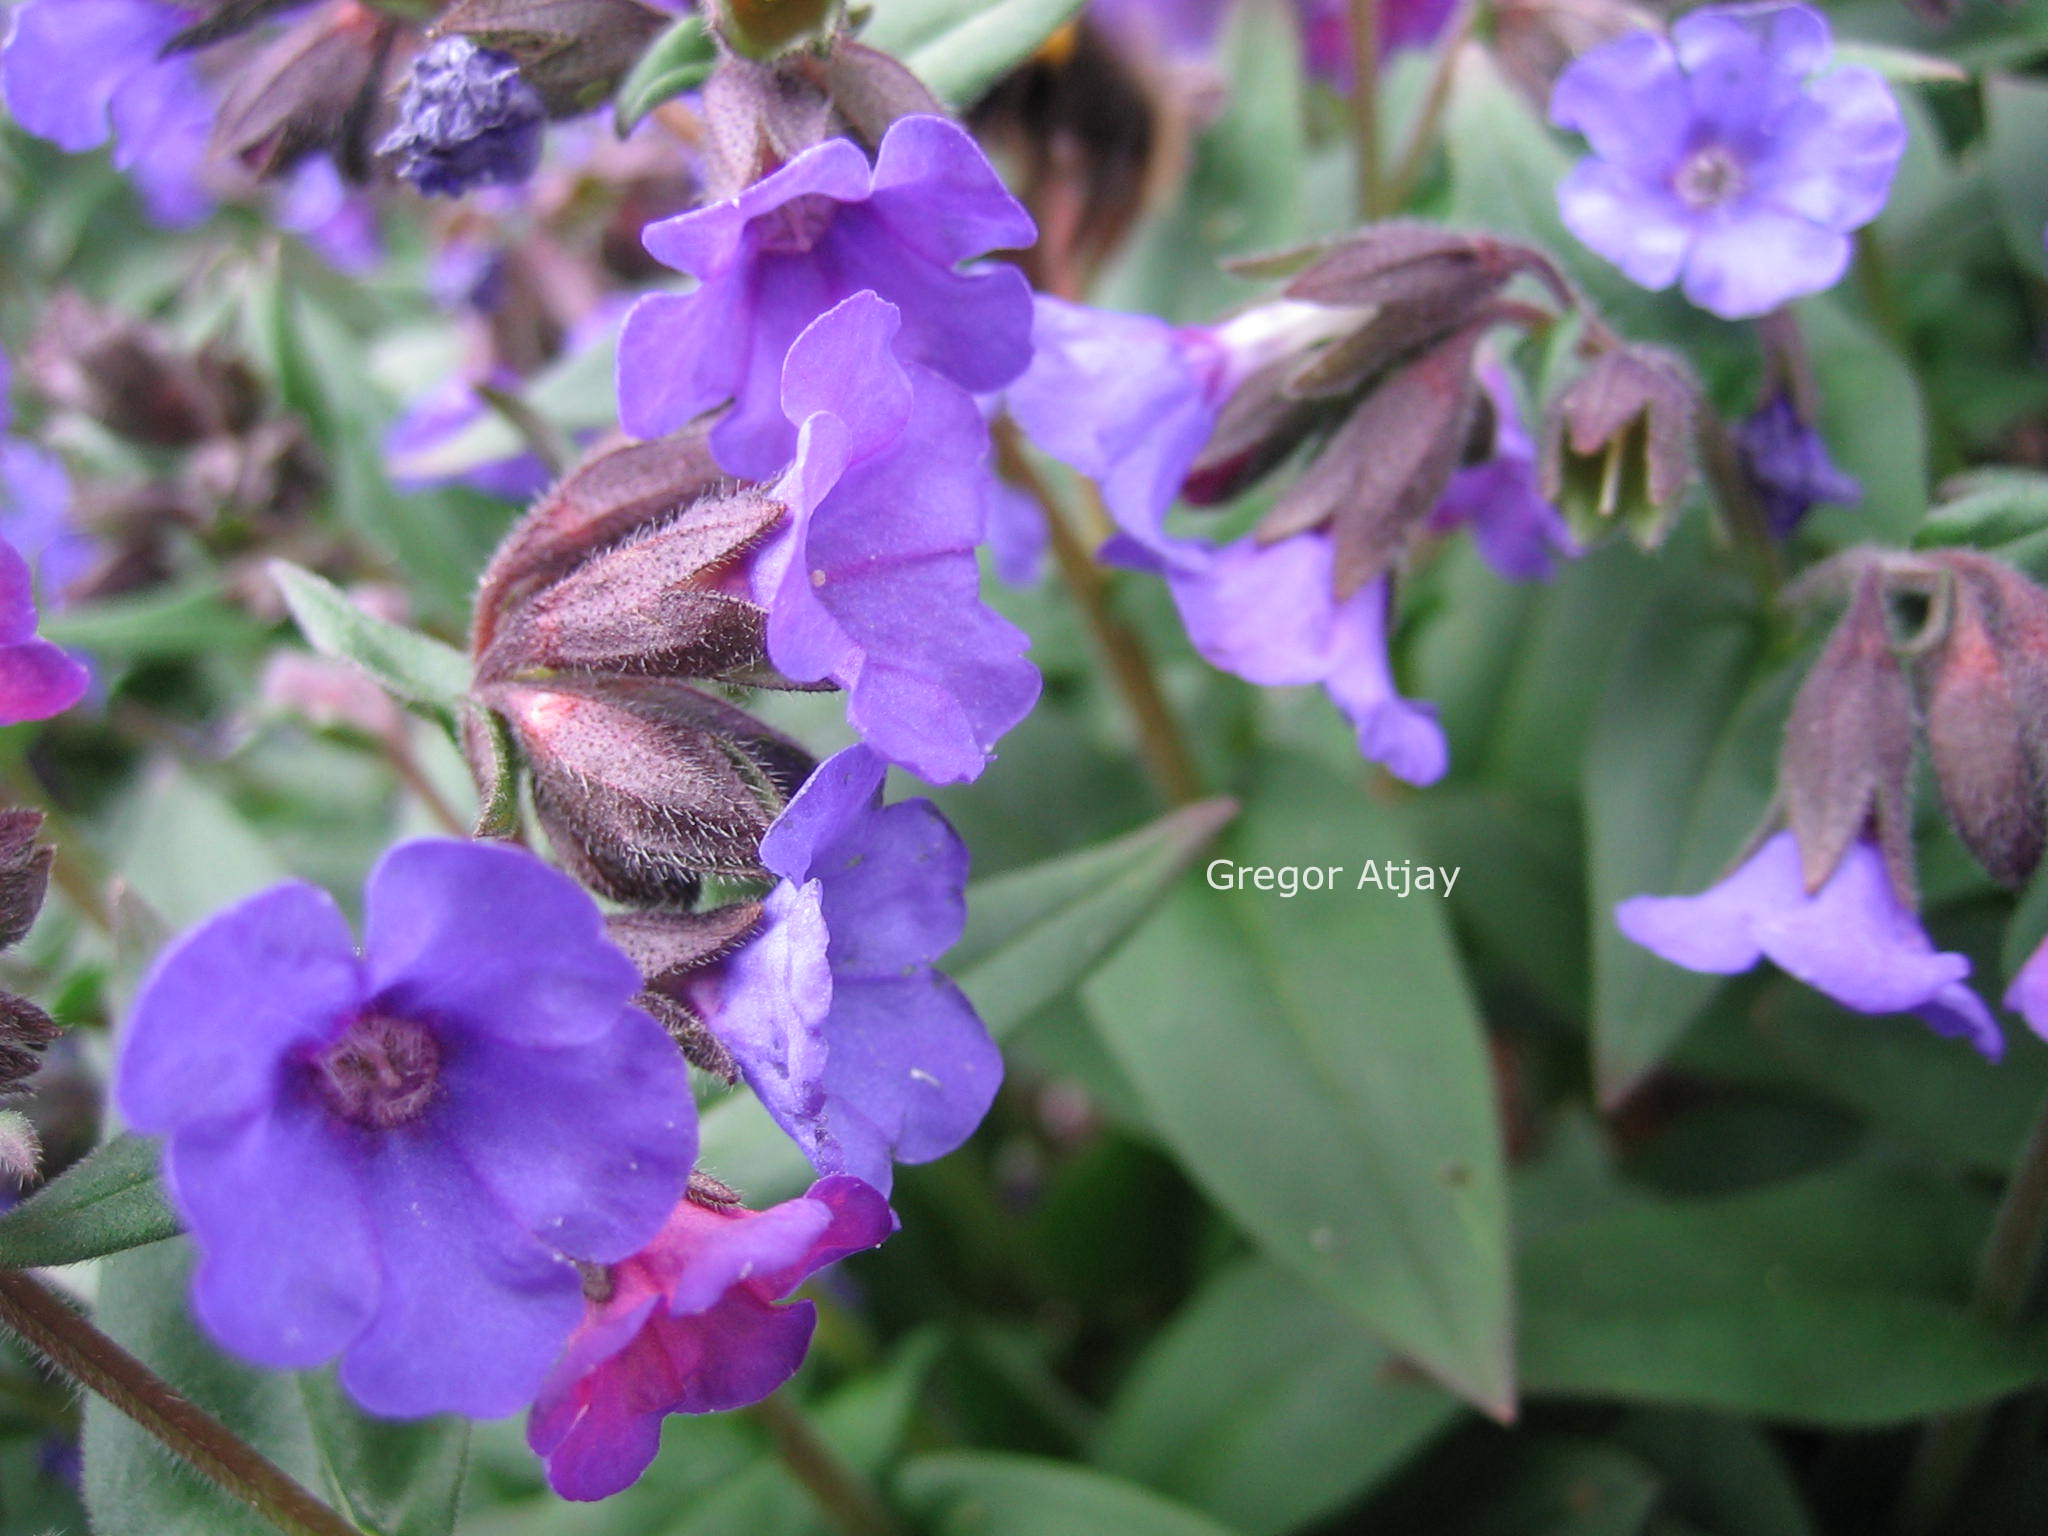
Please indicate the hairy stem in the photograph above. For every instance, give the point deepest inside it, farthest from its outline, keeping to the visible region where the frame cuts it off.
(70, 1343)
(842, 1495)
(1165, 751)
(2005, 1280)
(1401, 181)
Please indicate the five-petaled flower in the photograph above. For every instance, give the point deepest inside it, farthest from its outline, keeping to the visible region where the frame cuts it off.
(690, 1325)
(394, 1156)
(821, 229)
(1722, 154)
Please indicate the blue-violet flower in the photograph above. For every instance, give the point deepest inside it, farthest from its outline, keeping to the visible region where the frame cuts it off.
(858, 1046)
(815, 232)
(1788, 468)
(873, 581)
(394, 1156)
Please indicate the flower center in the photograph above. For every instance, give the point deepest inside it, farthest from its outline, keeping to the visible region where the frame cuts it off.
(1709, 177)
(798, 224)
(382, 1073)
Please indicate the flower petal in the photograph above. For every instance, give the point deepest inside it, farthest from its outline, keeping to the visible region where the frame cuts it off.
(1629, 99)
(489, 940)
(225, 1006)
(1636, 224)
(1752, 259)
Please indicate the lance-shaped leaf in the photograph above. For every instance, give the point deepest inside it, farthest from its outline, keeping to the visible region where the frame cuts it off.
(1317, 1067)
(414, 667)
(1033, 933)
(107, 1202)
(975, 45)
(679, 60)
(1849, 746)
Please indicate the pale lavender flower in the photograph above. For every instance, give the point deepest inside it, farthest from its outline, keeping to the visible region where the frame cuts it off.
(858, 1046)
(393, 1156)
(335, 219)
(815, 232)
(1853, 939)
(37, 680)
(1723, 155)
(691, 1324)
(873, 581)
(78, 71)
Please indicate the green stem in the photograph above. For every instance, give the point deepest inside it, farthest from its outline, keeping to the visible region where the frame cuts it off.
(2005, 1279)
(1160, 743)
(1401, 182)
(1365, 107)
(70, 1343)
(842, 1495)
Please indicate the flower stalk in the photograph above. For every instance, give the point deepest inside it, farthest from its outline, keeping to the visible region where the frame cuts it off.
(1365, 108)
(29, 1309)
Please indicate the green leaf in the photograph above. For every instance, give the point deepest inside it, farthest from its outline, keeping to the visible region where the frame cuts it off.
(135, 1487)
(987, 1493)
(394, 1478)
(981, 44)
(1875, 424)
(2001, 511)
(391, 1478)
(1265, 1406)
(2015, 127)
(1676, 777)
(1721, 1474)
(175, 621)
(1838, 1299)
(679, 60)
(1316, 1066)
(414, 667)
(1904, 65)
(104, 1203)
(1033, 933)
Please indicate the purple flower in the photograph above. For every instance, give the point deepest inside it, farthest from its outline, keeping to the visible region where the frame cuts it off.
(1787, 465)
(1852, 939)
(467, 120)
(819, 230)
(1326, 32)
(873, 581)
(691, 1325)
(859, 1048)
(392, 1156)
(35, 517)
(440, 416)
(1718, 155)
(1130, 401)
(337, 220)
(2028, 994)
(74, 71)
(1501, 498)
(37, 680)
(1168, 28)
(1267, 613)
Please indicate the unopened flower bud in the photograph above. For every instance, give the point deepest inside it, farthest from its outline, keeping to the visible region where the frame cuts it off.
(1848, 752)
(1986, 682)
(644, 785)
(24, 878)
(467, 120)
(571, 54)
(136, 381)
(314, 88)
(647, 606)
(610, 496)
(1617, 445)
(761, 29)
(1386, 469)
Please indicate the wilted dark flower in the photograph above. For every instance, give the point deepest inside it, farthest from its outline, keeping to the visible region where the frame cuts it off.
(1786, 462)
(315, 87)
(467, 120)
(571, 52)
